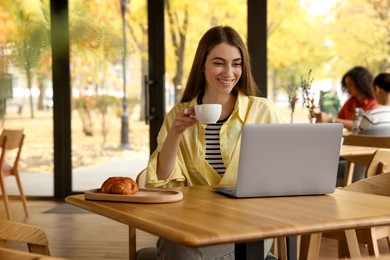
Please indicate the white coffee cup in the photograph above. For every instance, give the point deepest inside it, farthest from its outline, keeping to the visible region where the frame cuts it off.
(208, 113)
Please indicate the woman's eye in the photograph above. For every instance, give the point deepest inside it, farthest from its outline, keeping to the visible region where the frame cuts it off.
(218, 63)
(238, 64)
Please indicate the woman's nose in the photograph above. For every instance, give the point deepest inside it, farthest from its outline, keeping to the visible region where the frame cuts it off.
(228, 69)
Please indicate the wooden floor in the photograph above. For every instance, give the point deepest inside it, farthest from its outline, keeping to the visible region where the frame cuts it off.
(77, 234)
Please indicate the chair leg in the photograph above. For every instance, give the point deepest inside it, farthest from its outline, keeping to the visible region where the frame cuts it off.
(274, 247)
(22, 196)
(352, 243)
(281, 248)
(5, 197)
(372, 241)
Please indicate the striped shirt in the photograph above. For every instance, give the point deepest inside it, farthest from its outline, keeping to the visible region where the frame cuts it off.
(213, 147)
(379, 117)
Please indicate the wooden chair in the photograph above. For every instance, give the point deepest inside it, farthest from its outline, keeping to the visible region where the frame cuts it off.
(33, 236)
(140, 180)
(380, 163)
(11, 141)
(377, 185)
(362, 140)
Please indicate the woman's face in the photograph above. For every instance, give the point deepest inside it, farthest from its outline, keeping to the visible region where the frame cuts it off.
(351, 87)
(222, 69)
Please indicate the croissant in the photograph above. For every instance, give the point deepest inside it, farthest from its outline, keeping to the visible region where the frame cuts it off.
(119, 185)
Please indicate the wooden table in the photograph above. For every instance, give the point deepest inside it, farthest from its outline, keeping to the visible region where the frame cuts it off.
(360, 155)
(205, 217)
(355, 151)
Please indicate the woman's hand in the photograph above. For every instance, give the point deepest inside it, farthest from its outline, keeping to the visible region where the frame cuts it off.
(184, 119)
(324, 118)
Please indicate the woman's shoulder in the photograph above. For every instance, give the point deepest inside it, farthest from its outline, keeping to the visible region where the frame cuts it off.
(261, 101)
(264, 108)
(379, 110)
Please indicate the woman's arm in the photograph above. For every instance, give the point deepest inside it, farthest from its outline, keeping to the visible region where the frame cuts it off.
(347, 123)
(324, 118)
(167, 155)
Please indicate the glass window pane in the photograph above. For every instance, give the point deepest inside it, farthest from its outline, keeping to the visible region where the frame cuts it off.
(109, 134)
(26, 92)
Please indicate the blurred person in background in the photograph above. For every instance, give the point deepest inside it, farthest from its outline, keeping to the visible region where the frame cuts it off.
(377, 121)
(358, 83)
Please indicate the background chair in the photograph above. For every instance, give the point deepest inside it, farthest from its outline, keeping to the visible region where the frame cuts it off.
(35, 237)
(140, 180)
(362, 140)
(377, 185)
(380, 163)
(11, 141)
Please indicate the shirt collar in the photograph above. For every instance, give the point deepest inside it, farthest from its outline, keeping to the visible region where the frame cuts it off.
(241, 105)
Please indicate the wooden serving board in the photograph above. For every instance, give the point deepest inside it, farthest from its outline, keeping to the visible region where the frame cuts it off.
(142, 196)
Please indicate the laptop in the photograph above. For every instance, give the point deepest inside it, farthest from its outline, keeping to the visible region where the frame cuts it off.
(287, 160)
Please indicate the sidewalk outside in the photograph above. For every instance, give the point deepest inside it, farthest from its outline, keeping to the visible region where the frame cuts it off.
(84, 178)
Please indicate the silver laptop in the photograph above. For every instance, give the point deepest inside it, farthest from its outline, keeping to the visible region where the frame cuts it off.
(287, 160)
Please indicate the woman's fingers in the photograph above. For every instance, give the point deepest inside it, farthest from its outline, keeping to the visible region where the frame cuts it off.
(184, 119)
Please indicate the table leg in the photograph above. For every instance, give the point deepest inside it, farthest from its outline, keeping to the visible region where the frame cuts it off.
(352, 243)
(291, 242)
(348, 175)
(132, 243)
(249, 250)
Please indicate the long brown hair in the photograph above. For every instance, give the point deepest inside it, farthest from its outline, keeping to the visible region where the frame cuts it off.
(216, 35)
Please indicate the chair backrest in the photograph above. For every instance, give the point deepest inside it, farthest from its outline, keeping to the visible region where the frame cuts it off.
(140, 180)
(377, 185)
(10, 140)
(33, 236)
(367, 140)
(380, 163)
(14, 138)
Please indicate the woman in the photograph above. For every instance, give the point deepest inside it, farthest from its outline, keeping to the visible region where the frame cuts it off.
(358, 83)
(220, 74)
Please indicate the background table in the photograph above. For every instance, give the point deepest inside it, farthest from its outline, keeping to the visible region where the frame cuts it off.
(354, 154)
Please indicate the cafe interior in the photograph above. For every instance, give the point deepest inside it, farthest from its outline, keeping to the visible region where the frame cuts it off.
(53, 216)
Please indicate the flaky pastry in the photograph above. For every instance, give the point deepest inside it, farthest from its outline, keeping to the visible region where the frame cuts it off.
(119, 185)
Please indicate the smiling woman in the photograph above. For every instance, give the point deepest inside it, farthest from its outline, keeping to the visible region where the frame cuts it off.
(192, 153)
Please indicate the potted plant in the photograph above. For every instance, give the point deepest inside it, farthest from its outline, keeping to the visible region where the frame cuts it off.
(292, 90)
(308, 96)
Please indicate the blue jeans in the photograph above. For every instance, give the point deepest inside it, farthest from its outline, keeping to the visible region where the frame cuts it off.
(168, 250)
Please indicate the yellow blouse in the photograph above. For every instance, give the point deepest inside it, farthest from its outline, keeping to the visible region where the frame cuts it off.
(191, 167)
